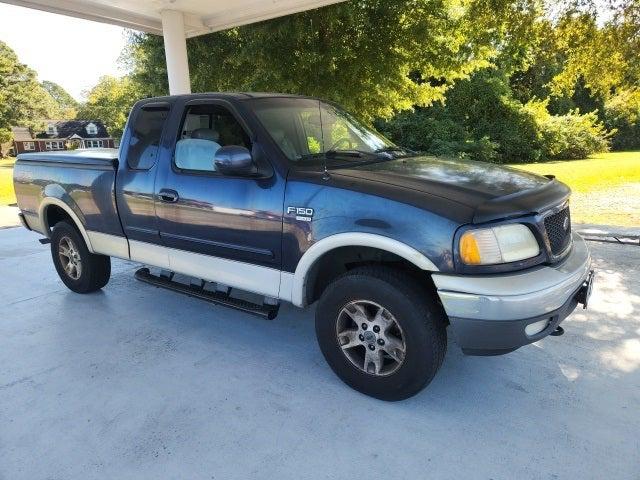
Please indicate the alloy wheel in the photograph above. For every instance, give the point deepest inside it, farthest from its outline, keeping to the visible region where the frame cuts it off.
(70, 258)
(370, 337)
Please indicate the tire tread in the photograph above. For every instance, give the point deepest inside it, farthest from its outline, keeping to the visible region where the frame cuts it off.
(432, 316)
(97, 268)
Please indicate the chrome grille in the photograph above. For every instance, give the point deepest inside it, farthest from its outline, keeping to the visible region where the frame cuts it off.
(558, 229)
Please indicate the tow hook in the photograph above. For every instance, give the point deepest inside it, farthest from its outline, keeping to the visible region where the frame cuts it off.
(582, 295)
(557, 332)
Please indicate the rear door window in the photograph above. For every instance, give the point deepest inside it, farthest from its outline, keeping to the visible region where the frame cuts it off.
(144, 140)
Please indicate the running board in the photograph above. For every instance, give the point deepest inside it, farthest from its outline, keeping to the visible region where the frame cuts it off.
(267, 311)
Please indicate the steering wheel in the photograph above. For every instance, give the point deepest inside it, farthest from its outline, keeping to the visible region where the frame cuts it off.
(345, 141)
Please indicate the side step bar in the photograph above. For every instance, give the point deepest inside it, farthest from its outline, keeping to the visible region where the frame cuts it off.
(267, 311)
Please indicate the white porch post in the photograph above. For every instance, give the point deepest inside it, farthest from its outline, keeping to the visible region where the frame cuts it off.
(175, 48)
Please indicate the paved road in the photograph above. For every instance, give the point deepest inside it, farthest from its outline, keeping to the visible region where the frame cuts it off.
(137, 382)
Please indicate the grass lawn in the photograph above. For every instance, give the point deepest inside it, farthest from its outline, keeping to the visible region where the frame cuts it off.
(606, 187)
(7, 196)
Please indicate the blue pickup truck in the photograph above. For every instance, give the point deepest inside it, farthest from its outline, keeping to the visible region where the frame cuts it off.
(264, 198)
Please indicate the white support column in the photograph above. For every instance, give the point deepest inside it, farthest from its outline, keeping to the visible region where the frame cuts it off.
(175, 48)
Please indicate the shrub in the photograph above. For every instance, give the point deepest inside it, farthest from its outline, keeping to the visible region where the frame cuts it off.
(622, 114)
(479, 120)
(428, 130)
(571, 136)
(484, 104)
(482, 121)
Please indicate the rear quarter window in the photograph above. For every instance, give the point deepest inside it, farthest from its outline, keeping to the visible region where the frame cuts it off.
(144, 140)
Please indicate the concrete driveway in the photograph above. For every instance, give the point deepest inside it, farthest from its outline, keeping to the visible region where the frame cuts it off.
(137, 382)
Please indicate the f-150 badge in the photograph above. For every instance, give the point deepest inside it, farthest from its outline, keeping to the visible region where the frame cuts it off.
(303, 214)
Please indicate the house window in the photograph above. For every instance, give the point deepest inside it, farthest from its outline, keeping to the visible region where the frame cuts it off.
(93, 143)
(91, 129)
(54, 145)
(28, 146)
(51, 129)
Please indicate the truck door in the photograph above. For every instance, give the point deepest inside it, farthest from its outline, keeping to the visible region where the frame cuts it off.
(135, 182)
(218, 227)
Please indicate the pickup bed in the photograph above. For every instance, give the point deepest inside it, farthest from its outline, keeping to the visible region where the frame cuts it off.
(292, 199)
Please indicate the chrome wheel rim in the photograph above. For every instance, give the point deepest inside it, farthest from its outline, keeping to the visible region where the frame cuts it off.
(370, 337)
(70, 258)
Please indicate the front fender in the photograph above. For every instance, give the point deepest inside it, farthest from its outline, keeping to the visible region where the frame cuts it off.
(293, 286)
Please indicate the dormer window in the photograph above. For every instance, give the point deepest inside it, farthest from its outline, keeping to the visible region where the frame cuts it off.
(91, 129)
(52, 130)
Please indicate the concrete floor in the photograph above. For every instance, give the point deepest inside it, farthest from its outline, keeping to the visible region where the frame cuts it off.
(9, 216)
(137, 382)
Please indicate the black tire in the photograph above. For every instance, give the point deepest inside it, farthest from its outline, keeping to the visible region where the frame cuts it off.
(421, 320)
(94, 270)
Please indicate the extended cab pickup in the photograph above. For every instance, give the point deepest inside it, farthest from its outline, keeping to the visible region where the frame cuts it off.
(292, 199)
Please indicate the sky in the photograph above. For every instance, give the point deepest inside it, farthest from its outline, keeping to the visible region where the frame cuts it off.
(72, 52)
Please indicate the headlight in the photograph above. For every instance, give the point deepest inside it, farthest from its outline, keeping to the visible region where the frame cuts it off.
(503, 244)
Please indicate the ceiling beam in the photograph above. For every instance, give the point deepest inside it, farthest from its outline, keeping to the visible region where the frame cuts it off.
(195, 24)
(94, 12)
(259, 12)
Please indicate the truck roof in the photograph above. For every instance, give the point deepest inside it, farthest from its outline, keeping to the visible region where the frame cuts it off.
(227, 95)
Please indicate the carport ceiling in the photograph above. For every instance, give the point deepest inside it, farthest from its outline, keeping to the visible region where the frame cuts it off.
(200, 16)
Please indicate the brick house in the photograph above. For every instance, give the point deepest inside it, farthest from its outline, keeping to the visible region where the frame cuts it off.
(60, 135)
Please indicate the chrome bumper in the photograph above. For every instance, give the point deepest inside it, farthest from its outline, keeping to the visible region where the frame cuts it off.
(491, 304)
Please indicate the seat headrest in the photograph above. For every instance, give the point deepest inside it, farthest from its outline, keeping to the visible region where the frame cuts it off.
(205, 134)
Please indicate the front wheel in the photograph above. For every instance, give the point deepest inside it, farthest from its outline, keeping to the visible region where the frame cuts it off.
(380, 332)
(80, 270)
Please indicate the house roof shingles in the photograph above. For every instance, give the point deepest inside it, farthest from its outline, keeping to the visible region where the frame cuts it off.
(21, 134)
(69, 128)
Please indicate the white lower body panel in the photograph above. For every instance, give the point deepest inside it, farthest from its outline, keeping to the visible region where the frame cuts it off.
(241, 275)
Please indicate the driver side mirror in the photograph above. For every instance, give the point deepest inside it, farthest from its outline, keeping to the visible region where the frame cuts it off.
(234, 160)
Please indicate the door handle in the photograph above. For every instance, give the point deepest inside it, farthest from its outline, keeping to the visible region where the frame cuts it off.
(169, 196)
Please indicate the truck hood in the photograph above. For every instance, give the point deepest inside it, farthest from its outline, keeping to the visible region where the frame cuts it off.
(492, 191)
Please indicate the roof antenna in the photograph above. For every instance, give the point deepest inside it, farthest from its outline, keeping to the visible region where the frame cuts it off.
(325, 171)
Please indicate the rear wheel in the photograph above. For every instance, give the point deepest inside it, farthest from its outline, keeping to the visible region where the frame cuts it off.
(80, 270)
(380, 332)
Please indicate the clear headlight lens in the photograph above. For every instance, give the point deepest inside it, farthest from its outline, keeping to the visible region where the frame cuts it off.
(502, 244)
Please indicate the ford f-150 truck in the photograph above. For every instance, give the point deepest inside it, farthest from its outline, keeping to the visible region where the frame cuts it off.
(292, 199)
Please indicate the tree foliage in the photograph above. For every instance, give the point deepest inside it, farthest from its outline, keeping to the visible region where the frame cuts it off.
(23, 101)
(110, 101)
(482, 120)
(500, 80)
(67, 105)
(622, 116)
(375, 57)
(566, 90)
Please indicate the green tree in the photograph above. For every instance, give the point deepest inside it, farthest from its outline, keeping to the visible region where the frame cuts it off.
(583, 55)
(110, 101)
(463, 74)
(622, 115)
(67, 105)
(375, 57)
(23, 102)
(480, 119)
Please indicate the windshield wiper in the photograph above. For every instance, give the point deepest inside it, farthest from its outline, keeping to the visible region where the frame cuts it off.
(366, 157)
(338, 154)
(347, 153)
(402, 150)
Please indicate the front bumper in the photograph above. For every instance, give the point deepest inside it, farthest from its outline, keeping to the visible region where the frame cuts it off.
(489, 313)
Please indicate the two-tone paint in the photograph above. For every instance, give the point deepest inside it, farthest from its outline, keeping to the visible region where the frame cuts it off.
(240, 231)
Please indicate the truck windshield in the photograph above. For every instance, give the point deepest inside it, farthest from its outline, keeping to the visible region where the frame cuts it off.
(310, 131)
